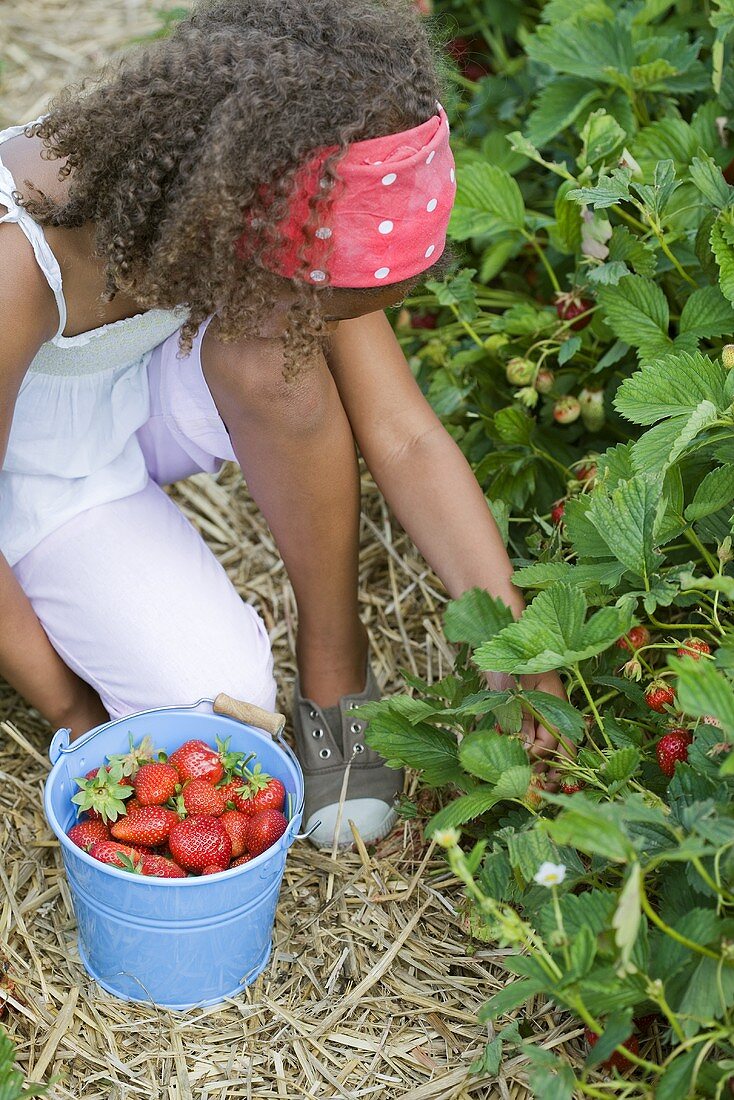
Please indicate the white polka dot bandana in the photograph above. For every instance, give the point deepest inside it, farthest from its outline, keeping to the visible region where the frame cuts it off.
(387, 216)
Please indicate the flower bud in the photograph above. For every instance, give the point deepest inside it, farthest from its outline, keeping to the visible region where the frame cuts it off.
(727, 356)
(527, 396)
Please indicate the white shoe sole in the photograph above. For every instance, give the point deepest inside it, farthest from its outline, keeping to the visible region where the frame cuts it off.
(372, 817)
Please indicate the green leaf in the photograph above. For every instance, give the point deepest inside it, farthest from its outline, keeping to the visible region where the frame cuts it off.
(640, 255)
(676, 1081)
(568, 349)
(588, 831)
(610, 189)
(475, 617)
(458, 291)
(514, 783)
(708, 178)
(722, 246)
(552, 633)
(488, 200)
(558, 106)
(528, 850)
(671, 386)
(707, 313)
(557, 713)
(625, 519)
(702, 690)
(589, 51)
(663, 445)
(617, 1028)
(627, 916)
(488, 754)
(403, 743)
(637, 312)
(464, 809)
(601, 136)
(514, 994)
(621, 765)
(714, 492)
(710, 992)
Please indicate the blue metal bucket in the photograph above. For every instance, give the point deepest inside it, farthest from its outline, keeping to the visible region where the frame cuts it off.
(180, 943)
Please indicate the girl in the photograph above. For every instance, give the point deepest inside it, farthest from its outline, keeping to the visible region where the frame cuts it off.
(203, 278)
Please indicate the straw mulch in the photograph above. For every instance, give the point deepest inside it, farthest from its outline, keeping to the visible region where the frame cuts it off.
(373, 986)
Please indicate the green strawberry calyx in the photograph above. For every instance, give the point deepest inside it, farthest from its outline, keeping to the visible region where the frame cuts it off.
(104, 793)
(140, 754)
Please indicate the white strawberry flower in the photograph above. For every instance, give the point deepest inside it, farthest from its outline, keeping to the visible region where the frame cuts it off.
(550, 874)
(447, 838)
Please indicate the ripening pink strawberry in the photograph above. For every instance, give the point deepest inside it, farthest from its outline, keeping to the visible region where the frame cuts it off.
(544, 381)
(695, 648)
(635, 638)
(566, 410)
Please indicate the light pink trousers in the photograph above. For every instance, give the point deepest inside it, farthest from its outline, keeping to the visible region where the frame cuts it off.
(128, 592)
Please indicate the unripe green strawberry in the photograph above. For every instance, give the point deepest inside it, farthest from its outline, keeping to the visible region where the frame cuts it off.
(566, 410)
(727, 356)
(544, 381)
(592, 409)
(519, 372)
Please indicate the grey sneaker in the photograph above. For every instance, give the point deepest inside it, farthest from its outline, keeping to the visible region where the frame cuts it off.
(326, 753)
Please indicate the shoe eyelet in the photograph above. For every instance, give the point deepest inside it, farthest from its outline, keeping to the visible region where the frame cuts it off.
(358, 748)
(356, 727)
(312, 713)
(318, 734)
(354, 706)
(325, 754)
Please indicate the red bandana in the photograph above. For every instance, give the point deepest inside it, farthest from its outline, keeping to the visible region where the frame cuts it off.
(388, 215)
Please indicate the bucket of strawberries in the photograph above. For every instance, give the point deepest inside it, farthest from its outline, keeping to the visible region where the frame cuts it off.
(174, 826)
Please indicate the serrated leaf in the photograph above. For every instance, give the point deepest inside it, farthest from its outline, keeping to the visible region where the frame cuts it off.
(637, 312)
(541, 574)
(707, 313)
(463, 809)
(475, 617)
(590, 833)
(715, 492)
(558, 106)
(514, 994)
(557, 713)
(601, 136)
(586, 540)
(617, 1028)
(722, 247)
(708, 178)
(590, 51)
(552, 633)
(663, 445)
(608, 274)
(702, 691)
(488, 754)
(403, 743)
(673, 385)
(488, 200)
(610, 189)
(625, 519)
(623, 245)
(620, 765)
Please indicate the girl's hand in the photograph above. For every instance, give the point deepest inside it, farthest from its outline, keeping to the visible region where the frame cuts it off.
(541, 742)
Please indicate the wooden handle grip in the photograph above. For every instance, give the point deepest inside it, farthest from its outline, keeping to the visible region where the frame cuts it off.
(267, 720)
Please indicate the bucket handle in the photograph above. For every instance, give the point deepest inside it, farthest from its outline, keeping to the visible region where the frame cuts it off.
(265, 720)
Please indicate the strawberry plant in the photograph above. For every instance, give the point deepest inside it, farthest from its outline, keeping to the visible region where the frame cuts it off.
(582, 359)
(12, 1086)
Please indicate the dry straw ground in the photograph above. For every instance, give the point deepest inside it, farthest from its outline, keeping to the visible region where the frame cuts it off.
(373, 986)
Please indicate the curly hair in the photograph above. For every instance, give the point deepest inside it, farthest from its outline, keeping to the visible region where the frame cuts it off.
(169, 145)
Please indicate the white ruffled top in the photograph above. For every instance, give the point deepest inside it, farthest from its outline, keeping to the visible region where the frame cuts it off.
(72, 441)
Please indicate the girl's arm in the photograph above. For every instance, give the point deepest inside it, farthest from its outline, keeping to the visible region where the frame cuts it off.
(28, 661)
(422, 473)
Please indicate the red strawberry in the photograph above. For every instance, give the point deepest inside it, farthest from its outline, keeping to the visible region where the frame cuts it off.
(459, 49)
(236, 824)
(586, 473)
(198, 842)
(228, 790)
(150, 825)
(571, 788)
(264, 829)
(616, 1060)
(570, 306)
(557, 512)
(155, 783)
(200, 797)
(197, 760)
(213, 869)
(132, 804)
(658, 695)
(566, 410)
(88, 833)
(260, 792)
(671, 748)
(423, 320)
(544, 381)
(695, 648)
(111, 851)
(244, 858)
(635, 638)
(160, 867)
